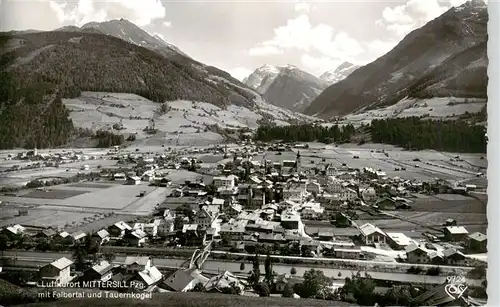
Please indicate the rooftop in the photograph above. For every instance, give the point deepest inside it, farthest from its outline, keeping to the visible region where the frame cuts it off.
(62, 263)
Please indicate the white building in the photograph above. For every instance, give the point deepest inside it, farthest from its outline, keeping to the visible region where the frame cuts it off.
(372, 234)
(58, 272)
(294, 194)
(225, 182)
(369, 194)
(137, 264)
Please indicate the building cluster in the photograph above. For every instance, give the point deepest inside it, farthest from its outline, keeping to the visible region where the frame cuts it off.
(255, 205)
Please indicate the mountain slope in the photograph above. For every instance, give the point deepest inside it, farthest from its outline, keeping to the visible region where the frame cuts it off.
(386, 80)
(41, 68)
(131, 33)
(286, 86)
(339, 73)
(461, 75)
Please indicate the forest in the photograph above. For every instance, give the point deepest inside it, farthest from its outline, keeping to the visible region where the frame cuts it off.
(415, 134)
(106, 139)
(411, 133)
(305, 133)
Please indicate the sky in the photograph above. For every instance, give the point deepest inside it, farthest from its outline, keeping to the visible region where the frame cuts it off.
(240, 36)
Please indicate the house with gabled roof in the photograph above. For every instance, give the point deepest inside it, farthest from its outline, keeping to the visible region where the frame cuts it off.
(455, 233)
(78, 236)
(118, 229)
(46, 233)
(454, 257)
(477, 242)
(203, 218)
(416, 254)
(147, 278)
(398, 240)
(371, 234)
(57, 272)
(135, 264)
(135, 237)
(102, 235)
(14, 230)
(183, 280)
(102, 271)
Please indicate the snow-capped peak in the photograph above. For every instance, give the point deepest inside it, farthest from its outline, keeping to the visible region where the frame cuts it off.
(339, 73)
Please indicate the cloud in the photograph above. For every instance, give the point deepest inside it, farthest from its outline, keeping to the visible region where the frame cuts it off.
(167, 24)
(402, 19)
(142, 13)
(240, 73)
(298, 33)
(264, 51)
(319, 65)
(302, 7)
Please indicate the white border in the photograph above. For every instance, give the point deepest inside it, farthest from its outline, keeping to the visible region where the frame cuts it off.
(493, 152)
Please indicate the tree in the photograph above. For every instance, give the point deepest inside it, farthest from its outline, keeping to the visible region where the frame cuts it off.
(293, 271)
(232, 289)
(4, 242)
(242, 266)
(43, 245)
(288, 290)
(198, 288)
(268, 266)
(255, 275)
(398, 296)
(360, 288)
(109, 257)
(262, 289)
(80, 255)
(315, 285)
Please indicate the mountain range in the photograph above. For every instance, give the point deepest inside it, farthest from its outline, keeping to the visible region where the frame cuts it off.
(289, 87)
(286, 86)
(446, 57)
(43, 72)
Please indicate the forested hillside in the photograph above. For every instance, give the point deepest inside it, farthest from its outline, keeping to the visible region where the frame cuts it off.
(305, 133)
(37, 69)
(414, 133)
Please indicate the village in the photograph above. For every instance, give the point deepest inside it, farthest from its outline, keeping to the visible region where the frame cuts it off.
(185, 219)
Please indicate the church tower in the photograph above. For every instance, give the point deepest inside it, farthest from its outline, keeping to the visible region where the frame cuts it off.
(297, 162)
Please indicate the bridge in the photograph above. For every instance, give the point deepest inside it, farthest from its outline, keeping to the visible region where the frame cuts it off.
(198, 257)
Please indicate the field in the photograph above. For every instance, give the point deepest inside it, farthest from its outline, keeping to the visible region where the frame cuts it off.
(50, 218)
(184, 123)
(432, 164)
(440, 108)
(64, 170)
(83, 206)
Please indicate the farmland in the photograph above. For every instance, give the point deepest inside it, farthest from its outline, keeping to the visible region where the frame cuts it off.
(180, 123)
(440, 108)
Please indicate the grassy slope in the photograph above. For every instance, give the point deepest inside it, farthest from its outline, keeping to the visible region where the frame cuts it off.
(195, 300)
